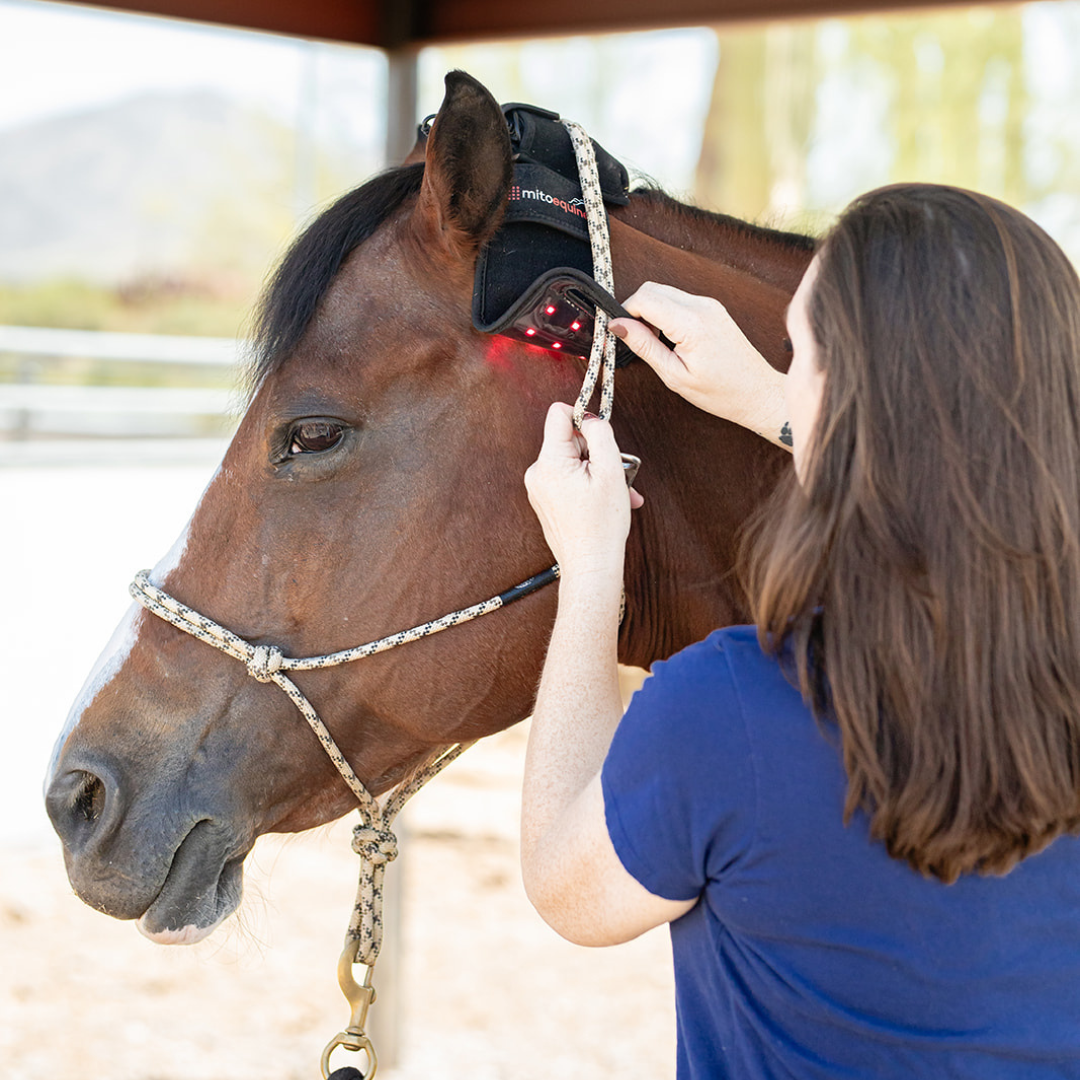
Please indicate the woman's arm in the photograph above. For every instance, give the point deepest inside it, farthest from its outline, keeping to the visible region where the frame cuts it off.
(713, 365)
(572, 874)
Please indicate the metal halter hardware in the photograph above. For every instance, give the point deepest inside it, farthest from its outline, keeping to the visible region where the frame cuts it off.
(373, 839)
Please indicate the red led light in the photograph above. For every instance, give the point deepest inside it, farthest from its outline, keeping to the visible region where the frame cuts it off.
(557, 345)
(575, 325)
(550, 309)
(530, 331)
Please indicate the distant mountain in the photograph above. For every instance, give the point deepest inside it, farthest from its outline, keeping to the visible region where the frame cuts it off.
(162, 185)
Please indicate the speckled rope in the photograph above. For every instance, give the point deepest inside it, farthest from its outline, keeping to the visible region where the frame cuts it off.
(602, 357)
(376, 844)
(373, 840)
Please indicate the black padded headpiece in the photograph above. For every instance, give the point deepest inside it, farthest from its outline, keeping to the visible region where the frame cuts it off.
(534, 278)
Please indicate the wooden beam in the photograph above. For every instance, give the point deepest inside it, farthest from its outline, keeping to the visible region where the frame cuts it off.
(358, 22)
(395, 24)
(471, 20)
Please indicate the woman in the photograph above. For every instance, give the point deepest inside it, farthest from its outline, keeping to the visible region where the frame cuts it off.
(856, 814)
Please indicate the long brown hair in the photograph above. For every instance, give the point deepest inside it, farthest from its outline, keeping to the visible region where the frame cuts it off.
(925, 580)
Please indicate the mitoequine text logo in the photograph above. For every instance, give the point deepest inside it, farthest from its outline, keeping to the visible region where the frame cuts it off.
(574, 206)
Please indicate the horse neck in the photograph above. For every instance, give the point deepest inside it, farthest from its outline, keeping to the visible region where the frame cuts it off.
(771, 256)
(702, 477)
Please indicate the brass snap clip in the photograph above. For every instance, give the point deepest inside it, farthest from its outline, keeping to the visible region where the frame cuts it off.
(360, 997)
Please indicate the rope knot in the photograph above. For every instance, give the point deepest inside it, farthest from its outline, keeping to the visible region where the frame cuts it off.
(378, 846)
(264, 661)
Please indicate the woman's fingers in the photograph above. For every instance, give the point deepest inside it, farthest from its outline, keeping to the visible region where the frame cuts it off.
(662, 305)
(560, 438)
(668, 308)
(642, 341)
(595, 442)
(577, 488)
(712, 364)
(600, 442)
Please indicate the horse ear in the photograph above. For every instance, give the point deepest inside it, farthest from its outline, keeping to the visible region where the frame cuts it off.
(467, 165)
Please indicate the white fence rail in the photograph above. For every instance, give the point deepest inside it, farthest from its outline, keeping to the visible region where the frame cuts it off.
(102, 411)
(104, 345)
(45, 420)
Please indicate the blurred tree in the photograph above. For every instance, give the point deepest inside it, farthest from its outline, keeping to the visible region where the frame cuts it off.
(948, 89)
(958, 96)
(733, 173)
(753, 150)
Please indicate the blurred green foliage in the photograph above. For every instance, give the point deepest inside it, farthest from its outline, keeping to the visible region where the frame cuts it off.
(806, 115)
(150, 307)
(84, 371)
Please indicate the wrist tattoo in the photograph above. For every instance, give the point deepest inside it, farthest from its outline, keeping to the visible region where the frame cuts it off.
(785, 434)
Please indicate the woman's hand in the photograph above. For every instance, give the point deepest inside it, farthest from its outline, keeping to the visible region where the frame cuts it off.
(712, 365)
(578, 490)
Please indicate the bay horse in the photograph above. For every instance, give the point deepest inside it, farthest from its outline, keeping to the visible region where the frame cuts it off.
(375, 482)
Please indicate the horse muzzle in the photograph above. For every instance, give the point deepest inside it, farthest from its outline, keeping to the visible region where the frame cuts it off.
(179, 879)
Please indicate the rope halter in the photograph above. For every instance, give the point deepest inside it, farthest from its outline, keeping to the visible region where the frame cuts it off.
(264, 661)
(267, 663)
(373, 839)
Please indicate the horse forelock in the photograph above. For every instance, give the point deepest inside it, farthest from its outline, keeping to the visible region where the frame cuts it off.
(291, 297)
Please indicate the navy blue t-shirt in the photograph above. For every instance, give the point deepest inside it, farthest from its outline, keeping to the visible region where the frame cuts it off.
(811, 952)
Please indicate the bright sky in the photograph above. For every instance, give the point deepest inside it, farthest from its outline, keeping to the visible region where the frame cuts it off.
(55, 57)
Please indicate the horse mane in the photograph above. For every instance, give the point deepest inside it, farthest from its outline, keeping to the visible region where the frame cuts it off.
(292, 295)
(651, 193)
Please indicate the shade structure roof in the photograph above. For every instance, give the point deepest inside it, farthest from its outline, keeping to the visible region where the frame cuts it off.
(401, 24)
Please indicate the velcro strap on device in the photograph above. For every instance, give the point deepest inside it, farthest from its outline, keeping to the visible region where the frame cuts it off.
(542, 251)
(536, 135)
(540, 194)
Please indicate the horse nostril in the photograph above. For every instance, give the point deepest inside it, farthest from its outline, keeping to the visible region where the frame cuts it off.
(77, 801)
(88, 799)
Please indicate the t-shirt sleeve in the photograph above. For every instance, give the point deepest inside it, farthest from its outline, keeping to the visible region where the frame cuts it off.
(679, 784)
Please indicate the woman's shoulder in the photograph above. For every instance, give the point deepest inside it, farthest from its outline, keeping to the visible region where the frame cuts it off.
(731, 657)
(720, 696)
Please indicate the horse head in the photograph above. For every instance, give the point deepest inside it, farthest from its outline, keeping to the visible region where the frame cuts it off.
(374, 483)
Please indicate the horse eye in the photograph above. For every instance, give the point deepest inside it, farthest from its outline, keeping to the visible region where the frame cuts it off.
(788, 347)
(315, 436)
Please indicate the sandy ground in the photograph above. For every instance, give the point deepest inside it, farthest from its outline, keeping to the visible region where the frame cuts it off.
(483, 987)
(486, 989)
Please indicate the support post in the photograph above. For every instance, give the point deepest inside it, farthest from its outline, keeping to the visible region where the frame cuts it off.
(401, 103)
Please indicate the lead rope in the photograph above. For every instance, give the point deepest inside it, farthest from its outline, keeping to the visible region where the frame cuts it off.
(602, 356)
(373, 839)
